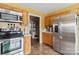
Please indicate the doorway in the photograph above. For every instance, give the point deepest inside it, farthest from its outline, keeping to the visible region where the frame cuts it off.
(35, 30)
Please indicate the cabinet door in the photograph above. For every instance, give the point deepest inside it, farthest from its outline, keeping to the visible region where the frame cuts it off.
(47, 39)
(46, 21)
(51, 21)
(27, 44)
(77, 12)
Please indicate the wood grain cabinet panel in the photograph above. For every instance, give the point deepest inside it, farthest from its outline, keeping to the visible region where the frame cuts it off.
(27, 45)
(46, 21)
(47, 38)
(50, 21)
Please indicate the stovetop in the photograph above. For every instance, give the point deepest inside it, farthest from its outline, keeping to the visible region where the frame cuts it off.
(9, 35)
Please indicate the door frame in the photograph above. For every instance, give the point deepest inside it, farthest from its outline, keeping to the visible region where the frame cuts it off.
(40, 35)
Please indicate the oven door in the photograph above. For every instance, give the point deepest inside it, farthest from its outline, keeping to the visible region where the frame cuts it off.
(5, 47)
(11, 46)
(15, 44)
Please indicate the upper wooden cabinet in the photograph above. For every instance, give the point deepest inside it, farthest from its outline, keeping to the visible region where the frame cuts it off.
(48, 21)
(51, 21)
(77, 11)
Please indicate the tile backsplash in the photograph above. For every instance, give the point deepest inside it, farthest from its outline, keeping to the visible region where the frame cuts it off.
(6, 25)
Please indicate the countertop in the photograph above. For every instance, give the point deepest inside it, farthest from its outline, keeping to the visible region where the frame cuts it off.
(47, 32)
(27, 35)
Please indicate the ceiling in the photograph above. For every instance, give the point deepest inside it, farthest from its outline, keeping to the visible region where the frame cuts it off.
(46, 7)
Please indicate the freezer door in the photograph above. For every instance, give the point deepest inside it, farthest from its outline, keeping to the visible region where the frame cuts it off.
(56, 42)
(56, 39)
(67, 37)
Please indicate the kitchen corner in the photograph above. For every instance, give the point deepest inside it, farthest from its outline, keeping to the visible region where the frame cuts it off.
(26, 31)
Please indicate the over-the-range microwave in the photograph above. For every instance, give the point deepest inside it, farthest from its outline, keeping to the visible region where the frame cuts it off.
(8, 16)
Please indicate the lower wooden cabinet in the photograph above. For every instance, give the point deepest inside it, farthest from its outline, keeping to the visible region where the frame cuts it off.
(27, 45)
(47, 38)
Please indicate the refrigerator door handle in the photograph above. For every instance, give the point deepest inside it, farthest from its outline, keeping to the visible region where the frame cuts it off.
(60, 37)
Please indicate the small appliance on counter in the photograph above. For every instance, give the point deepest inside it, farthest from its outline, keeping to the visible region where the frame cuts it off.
(49, 29)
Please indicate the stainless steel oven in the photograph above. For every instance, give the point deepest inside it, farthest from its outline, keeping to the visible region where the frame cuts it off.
(15, 43)
(9, 45)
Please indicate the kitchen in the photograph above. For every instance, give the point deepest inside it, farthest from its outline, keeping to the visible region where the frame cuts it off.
(55, 33)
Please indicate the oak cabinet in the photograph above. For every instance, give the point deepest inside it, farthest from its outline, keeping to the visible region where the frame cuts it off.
(48, 21)
(47, 38)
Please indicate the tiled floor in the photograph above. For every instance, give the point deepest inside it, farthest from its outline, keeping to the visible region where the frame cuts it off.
(42, 50)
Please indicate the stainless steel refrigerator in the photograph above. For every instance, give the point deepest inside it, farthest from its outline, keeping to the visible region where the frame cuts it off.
(64, 34)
